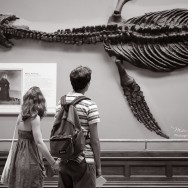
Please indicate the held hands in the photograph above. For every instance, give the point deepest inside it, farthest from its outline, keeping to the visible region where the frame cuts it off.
(56, 165)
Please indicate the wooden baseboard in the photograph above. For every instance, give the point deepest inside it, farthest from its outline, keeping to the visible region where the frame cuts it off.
(143, 169)
(116, 184)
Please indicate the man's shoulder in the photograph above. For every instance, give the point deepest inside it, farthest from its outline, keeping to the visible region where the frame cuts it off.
(88, 102)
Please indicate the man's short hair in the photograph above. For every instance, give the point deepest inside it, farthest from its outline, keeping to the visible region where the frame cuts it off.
(80, 77)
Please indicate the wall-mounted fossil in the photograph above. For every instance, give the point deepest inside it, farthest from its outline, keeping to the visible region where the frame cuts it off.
(156, 41)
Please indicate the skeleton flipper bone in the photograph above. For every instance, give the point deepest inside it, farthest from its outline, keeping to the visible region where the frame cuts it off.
(137, 102)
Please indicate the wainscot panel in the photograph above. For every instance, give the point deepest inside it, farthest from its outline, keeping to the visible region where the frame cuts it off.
(134, 169)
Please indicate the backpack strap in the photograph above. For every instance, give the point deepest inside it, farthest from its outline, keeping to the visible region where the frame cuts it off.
(78, 99)
(74, 102)
(64, 104)
(63, 100)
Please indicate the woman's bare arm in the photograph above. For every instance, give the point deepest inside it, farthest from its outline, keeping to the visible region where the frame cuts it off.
(40, 143)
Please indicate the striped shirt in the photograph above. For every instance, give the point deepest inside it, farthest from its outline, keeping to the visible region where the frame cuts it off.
(88, 114)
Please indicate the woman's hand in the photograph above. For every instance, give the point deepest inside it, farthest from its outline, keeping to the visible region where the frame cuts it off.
(56, 165)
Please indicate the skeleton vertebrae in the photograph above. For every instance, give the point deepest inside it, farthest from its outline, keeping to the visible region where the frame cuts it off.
(155, 41)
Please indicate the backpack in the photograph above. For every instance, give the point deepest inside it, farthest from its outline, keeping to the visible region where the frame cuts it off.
(67, 140)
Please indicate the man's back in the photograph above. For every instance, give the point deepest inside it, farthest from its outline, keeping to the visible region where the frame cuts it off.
(88, 114)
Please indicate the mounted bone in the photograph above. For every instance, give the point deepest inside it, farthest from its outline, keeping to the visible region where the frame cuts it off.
(116, 16)
(156, 41)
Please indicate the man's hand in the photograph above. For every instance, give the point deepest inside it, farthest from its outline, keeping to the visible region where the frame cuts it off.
(98, 172)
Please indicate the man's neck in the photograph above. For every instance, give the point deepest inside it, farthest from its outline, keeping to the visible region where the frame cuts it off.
(81, 92)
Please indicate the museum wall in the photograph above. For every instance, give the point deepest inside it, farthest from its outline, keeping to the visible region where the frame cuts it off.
(165, 93)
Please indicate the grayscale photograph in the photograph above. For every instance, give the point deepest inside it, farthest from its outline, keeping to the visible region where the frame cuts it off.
(104, 99)
(10, 87)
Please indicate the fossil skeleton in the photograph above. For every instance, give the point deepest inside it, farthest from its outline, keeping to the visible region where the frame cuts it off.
(156, 41)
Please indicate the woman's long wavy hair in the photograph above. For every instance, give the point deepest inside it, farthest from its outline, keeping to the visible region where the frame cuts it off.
(34, 104)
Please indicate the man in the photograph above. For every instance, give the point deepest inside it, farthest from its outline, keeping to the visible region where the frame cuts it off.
(82, 171)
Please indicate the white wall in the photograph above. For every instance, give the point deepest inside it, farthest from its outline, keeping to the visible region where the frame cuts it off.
(166, 93)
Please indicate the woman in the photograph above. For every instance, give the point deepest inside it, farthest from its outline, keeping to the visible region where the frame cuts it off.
(27, 168)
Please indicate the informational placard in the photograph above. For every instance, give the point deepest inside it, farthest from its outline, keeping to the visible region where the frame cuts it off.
(17, 78)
